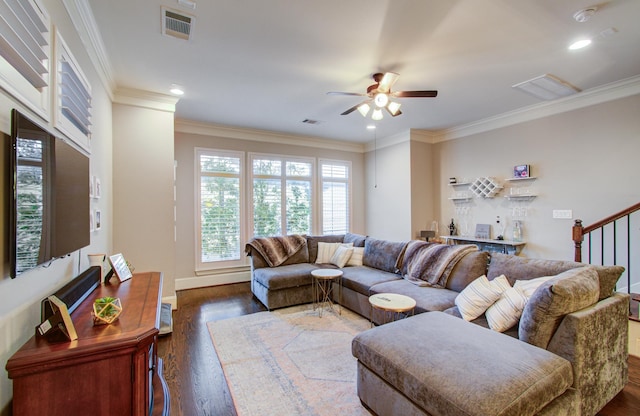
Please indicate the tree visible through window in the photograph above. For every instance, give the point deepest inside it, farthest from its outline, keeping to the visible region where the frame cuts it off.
(336, 212)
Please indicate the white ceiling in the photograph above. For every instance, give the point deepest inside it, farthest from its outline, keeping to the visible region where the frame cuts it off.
(268, 64)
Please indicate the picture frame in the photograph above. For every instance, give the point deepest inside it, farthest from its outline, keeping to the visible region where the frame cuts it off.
(98, 219)
(521, 171)
(92, 190)
(97, 187)
(120, 267)
(92, 221)
(483, 231)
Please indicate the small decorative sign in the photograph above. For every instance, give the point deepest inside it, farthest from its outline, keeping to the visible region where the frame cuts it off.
(483, 231)
(120, 267)
(521, 171)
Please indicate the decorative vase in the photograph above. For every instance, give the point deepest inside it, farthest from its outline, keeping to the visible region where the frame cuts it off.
(106, 310)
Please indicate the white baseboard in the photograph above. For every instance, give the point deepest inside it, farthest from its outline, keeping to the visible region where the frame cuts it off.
(173, 300)
(212, 280)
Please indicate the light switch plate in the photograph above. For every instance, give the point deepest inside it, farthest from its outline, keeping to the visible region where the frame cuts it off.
(565, 214)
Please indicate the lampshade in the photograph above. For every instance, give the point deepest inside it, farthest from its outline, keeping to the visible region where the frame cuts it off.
(364, 109)
(393, 108)
(377, 114)
(381, 100)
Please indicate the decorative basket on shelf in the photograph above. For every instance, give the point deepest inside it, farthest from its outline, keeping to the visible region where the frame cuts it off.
(106, 310)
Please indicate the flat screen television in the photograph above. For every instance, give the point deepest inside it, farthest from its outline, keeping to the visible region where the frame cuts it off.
(49, 210)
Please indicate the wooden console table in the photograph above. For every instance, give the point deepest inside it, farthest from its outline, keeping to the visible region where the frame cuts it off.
(109, 370)
(484, 244)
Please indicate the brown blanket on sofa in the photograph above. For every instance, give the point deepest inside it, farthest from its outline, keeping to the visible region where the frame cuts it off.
(276, 250)
(426, 264)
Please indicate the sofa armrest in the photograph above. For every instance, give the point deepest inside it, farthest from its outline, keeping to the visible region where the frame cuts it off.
(257, 261)
(595, 341)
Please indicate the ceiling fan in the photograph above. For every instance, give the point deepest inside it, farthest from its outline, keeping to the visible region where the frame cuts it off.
(380, 95)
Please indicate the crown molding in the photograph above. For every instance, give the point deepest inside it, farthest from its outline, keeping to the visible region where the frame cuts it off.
(85, 23)
(145, 99)
(217, 130)
(609, 92)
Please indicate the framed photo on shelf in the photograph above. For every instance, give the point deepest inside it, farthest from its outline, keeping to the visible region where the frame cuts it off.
(120, 267)
(521, 171)
(483, 231)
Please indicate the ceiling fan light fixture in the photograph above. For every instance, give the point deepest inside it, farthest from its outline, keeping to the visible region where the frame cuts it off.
(393, 108)
(381, 100)
(377, 114)
(364, 109)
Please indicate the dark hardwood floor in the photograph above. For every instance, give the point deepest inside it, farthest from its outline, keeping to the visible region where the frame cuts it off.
(194, 375)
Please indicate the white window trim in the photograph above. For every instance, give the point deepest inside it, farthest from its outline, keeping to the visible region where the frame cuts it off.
(349, 181)
(243, 260)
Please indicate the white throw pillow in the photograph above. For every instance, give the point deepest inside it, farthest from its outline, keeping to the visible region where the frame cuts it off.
(341, 256)
(356, 257)
(506, 312)
(479, 295)
(530, 286)
(326, 251)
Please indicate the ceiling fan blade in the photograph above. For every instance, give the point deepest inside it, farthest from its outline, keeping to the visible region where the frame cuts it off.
(346, 93)
(407, 94)
(354, 108)
(387, 81)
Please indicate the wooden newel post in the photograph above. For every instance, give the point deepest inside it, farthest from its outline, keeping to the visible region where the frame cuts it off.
(578, 237)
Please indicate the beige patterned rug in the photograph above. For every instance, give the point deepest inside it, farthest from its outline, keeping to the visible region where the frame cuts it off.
(290, 361)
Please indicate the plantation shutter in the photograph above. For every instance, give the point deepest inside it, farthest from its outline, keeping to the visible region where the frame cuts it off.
(220, 207)
(335, 180)
(24, 40)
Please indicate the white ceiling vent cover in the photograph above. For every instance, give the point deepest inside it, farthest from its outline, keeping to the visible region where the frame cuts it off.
(177, 24)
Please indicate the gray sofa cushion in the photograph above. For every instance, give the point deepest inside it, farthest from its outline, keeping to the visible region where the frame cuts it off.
(427, 298)
(426, 357)
(568, 292)
(313, 240)
(361, 278)
(281, 277)
(521, 268)
(382, 254)
(468, 269)
(357, 239)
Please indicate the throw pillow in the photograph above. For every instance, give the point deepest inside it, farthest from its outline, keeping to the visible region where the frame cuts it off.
(356, 257)
(479, 295)
(528, 287)
(341, 256)
(506, 312)
(567, 292)
(327, 250)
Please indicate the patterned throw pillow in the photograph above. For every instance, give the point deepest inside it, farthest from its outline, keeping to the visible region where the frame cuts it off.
(327, 250)
(341, 256)
(474, 300)
(506, 312)
(356, 257)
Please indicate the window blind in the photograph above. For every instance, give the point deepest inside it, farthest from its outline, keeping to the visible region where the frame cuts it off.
(24, 39)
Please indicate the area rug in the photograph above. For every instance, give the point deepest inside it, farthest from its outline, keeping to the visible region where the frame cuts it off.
(290, 361)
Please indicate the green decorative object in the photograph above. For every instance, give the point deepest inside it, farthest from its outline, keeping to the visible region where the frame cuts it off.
(106, 310)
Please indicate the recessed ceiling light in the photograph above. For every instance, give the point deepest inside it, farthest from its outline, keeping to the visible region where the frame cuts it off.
(371, 127)
(580, 44)
(176, 89)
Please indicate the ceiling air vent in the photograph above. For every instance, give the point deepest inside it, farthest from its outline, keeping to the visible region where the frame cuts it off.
(176, 24)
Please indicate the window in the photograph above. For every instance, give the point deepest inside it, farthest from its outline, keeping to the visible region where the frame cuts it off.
(73, 115)
(24, 53)
(282, 195)
(335, 179)
(219, 208)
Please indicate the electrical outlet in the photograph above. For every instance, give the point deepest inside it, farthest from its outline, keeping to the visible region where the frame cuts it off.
(565, 214)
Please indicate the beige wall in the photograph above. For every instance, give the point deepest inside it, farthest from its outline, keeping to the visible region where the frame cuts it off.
(143, 223)
(185, 144)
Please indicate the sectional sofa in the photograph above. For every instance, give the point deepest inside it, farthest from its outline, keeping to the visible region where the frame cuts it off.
(566, 354)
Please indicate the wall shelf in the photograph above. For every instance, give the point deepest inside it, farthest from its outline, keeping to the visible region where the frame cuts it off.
(521, 197)
(531, 178)
(485, 187)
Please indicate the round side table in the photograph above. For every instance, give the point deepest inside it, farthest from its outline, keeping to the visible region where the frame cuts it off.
(392, 305)
(322, 285)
